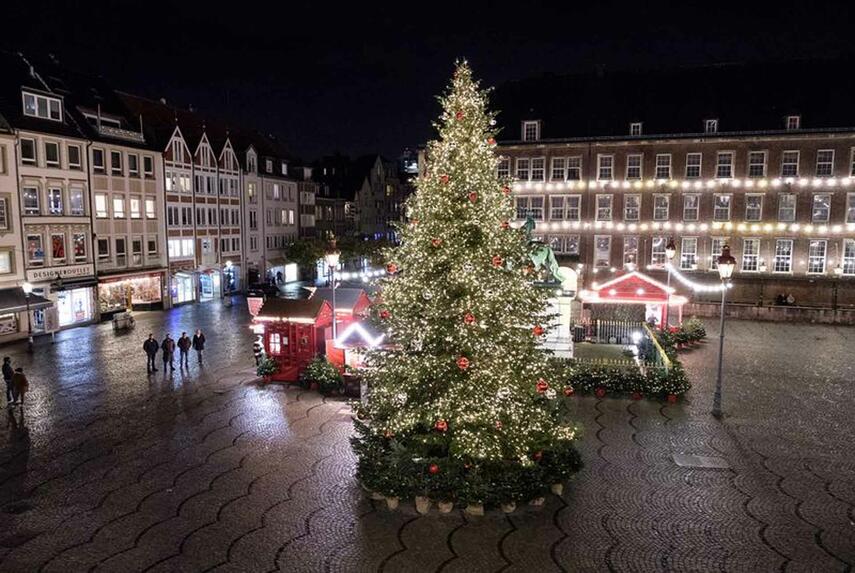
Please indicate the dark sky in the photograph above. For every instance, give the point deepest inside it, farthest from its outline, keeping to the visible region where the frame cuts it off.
(363, 78)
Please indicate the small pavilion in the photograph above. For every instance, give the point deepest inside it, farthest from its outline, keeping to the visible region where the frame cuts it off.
(635, 288)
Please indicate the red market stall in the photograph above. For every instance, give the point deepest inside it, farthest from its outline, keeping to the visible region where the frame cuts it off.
(294, 332)
(637, 288)
(352, 342)
(351, 304)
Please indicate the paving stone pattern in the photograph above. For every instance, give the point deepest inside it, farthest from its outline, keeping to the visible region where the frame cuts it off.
(205, 470)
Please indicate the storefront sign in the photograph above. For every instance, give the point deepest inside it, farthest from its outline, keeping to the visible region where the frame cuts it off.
(69, 272)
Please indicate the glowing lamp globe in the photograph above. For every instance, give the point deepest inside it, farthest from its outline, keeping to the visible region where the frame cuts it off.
(726, 263)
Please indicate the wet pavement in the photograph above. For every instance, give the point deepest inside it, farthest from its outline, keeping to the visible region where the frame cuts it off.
(205, 470)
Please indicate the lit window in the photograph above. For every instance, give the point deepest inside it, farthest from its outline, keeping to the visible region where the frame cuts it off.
(753, 207)
(604, 207)
(790, 164)
(689, 253)
(849, 257)
(78, 241)
(31, 200)
(43, 107)
(602, 251)
(721, 207)
(4, 214)
(565, 207)
(724, 165)
(824, 162)
(136, 208)
(633, 166)
(757, 164)
(118, 207)
(750, 255)
(783, 256)
(275, 343)
(531, 131)
(605, 167)
(691, 206)
(663, 166)
(57, 247)
(630, 251)
(55, 201)
(150, 209)
(821, 211)
(529, 206)
(816, 256)
(850, 208)
(661, 207)
(693, 165)
(631, 207)
(101, 205)
(35, 250)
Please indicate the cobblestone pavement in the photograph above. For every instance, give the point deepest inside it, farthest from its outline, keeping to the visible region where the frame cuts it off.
(205, 470)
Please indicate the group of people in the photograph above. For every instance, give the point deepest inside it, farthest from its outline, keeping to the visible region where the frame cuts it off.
(16, 383)
(168, 346)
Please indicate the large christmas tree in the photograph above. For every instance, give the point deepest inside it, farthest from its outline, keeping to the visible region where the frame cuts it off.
(463, 407)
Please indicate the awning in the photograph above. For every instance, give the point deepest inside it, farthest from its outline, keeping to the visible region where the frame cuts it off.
(14, 300)
(73, 284)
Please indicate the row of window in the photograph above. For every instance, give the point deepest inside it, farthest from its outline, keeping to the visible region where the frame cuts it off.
(569, 207)
(280, 192)
(279, 217)
(52, 154)
(749, 259)
(119, 160)
(125, 207)
(56, 200)
(226, 243)
(278, 241)
(119, 252)
(182, 216)
(59, 255)
(570, 168)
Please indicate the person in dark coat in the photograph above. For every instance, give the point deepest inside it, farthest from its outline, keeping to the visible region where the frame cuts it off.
(7, 378)
(20, 385)
(150, 346)
(168, 348)
(199, 344)
(184, 349)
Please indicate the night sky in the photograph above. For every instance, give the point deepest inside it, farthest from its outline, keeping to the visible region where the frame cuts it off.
(363, 78)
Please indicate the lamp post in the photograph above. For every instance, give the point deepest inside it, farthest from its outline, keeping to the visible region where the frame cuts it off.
(726, 264)
(28, 290)
(332, 258)
(670, 253)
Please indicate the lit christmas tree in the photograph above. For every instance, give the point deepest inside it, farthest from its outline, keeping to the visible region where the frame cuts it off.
(463, 407)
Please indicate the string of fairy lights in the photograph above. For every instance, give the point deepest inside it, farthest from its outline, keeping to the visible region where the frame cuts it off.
(830, 182)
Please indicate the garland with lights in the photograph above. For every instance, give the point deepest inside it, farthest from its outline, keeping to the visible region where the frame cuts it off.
(462, 406)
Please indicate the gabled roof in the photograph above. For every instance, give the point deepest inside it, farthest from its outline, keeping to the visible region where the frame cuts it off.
(345, 298)
(287, 308)
(633, 287)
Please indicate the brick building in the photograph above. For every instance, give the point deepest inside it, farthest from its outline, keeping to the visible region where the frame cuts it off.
(706, 157)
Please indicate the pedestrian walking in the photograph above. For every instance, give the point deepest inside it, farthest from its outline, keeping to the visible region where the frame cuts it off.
(168, 348)
(20, 385)
(184, 345)
(257, 351)
(7, 378)
(150, 346)
(199, 344)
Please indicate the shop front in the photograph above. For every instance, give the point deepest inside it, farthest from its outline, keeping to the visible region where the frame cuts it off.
(209, 284)
(14, 304)
(182, 282)
(231, 278)
(135, 292)
(74, 290)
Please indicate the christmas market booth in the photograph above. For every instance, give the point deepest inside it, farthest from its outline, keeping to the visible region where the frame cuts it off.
(293, 333)
(351, 343)
(645, 298)
(351, 304)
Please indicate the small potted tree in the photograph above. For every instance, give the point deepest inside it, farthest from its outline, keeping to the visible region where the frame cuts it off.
(266, 369)
(322, 373)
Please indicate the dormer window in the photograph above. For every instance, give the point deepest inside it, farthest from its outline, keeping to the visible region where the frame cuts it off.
(711, 126)
(794, 122)
(43, 107)
(635, 128)
(268, 165)
(284, 168)
(531, 131)
(250, 163)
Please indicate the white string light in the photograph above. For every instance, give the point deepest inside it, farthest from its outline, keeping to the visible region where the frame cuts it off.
(697, 287)
(752, 182)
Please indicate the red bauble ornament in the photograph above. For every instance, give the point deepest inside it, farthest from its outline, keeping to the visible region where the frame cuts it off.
(636, 395)
(392, 268)
(541, 386)
(463, 363)
(568, 391)
(505, 224)
(388, 434)
(506, 190)
(473, 196)
(469, 318)
(537, 456)
(384, 314)
(436, 242)
(443, 179)
(600, 392)
(672, 398)
(441, 425)
(537, 330)
(433, 469)
(498, 424)
(491, 141)
(497, 261)
(458, 115)
(527, 269)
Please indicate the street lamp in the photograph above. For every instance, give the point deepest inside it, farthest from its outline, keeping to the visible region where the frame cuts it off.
(670, 253)
(726, 264)
(332, 258)
(28, 290)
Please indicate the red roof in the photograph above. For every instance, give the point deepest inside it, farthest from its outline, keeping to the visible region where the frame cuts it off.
(633, 287)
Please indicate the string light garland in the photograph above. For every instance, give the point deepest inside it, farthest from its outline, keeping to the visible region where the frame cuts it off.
(688, 184)
(696, 286)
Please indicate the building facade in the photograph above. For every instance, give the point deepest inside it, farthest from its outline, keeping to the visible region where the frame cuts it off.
(782, 199)
(280, 203)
